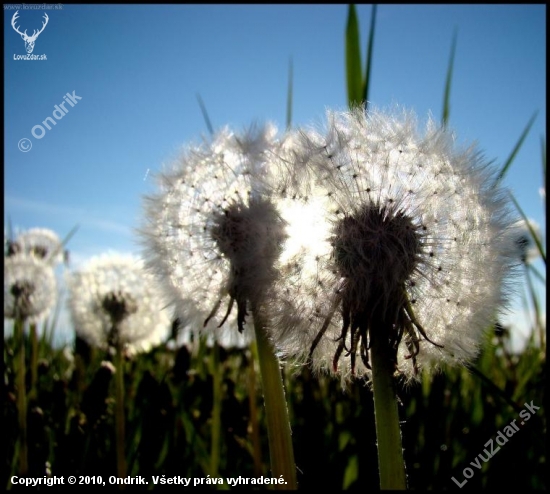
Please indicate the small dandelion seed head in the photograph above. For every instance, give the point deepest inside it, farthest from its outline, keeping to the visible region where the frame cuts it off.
(214, 245)
(113, 299)
(41, 243)
(29, 288)
(393, 241)
(524, 242)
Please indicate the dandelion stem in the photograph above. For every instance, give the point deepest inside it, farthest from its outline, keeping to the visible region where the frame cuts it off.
(119, 417)
(390, 450)
(21, 397)
(216, 410)
(34, 360)
(254, 429)
(278, 425)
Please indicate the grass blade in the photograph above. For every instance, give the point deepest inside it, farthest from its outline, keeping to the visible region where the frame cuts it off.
(366, 82)
(353, 59)
(515, 150)
(543, 149)
(69, 235)
(448, 82)
(64, 242)
(536, 308)
(289, 95)
(534, 235)
(537, 273)
(205, 115)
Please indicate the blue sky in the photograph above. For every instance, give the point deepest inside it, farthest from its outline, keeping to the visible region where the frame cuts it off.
(138, 69)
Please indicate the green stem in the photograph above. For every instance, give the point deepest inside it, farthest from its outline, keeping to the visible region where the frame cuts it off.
(21, 397)
(254, 429)
(278, 425)
(216, 411)
(390, 450)
(119, 413)
(34, 360)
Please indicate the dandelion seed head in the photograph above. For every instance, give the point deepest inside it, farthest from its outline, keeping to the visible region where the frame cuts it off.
(527, 250)
(29, 288)
(113, 299)
(41, 243)
(212, 233)
(411, 233)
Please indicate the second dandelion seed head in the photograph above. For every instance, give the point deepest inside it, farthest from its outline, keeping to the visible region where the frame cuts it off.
(213, 234)
(250, 237)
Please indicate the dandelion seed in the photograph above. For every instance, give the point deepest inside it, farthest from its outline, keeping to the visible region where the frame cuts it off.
(113, 301)
(29, 288)
(212, 230)
(410, 240)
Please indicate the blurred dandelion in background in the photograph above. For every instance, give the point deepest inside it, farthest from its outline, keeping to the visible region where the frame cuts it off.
(30, 288)
(115, 304)
(526, 246)
(41, 243)
(113, 300)
(30, 291)
(412, 240)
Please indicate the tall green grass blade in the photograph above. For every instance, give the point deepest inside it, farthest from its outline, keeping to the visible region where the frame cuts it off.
(536, 273)
(448, 82)
(543, 149)
(515, 151)
(69, 235)
(534, 235)
(366, 82)
(353, 59)
(50, 324)
(536, 306)
(65, 241)
(289, 95)
(205, 115)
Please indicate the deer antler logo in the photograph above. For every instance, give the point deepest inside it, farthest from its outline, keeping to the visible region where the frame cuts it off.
(29, 40)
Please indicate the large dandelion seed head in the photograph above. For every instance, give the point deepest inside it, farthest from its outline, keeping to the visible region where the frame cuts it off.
(30, 288)
(212, 233)
(114, 300)
(41, 243)
(410, 235)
